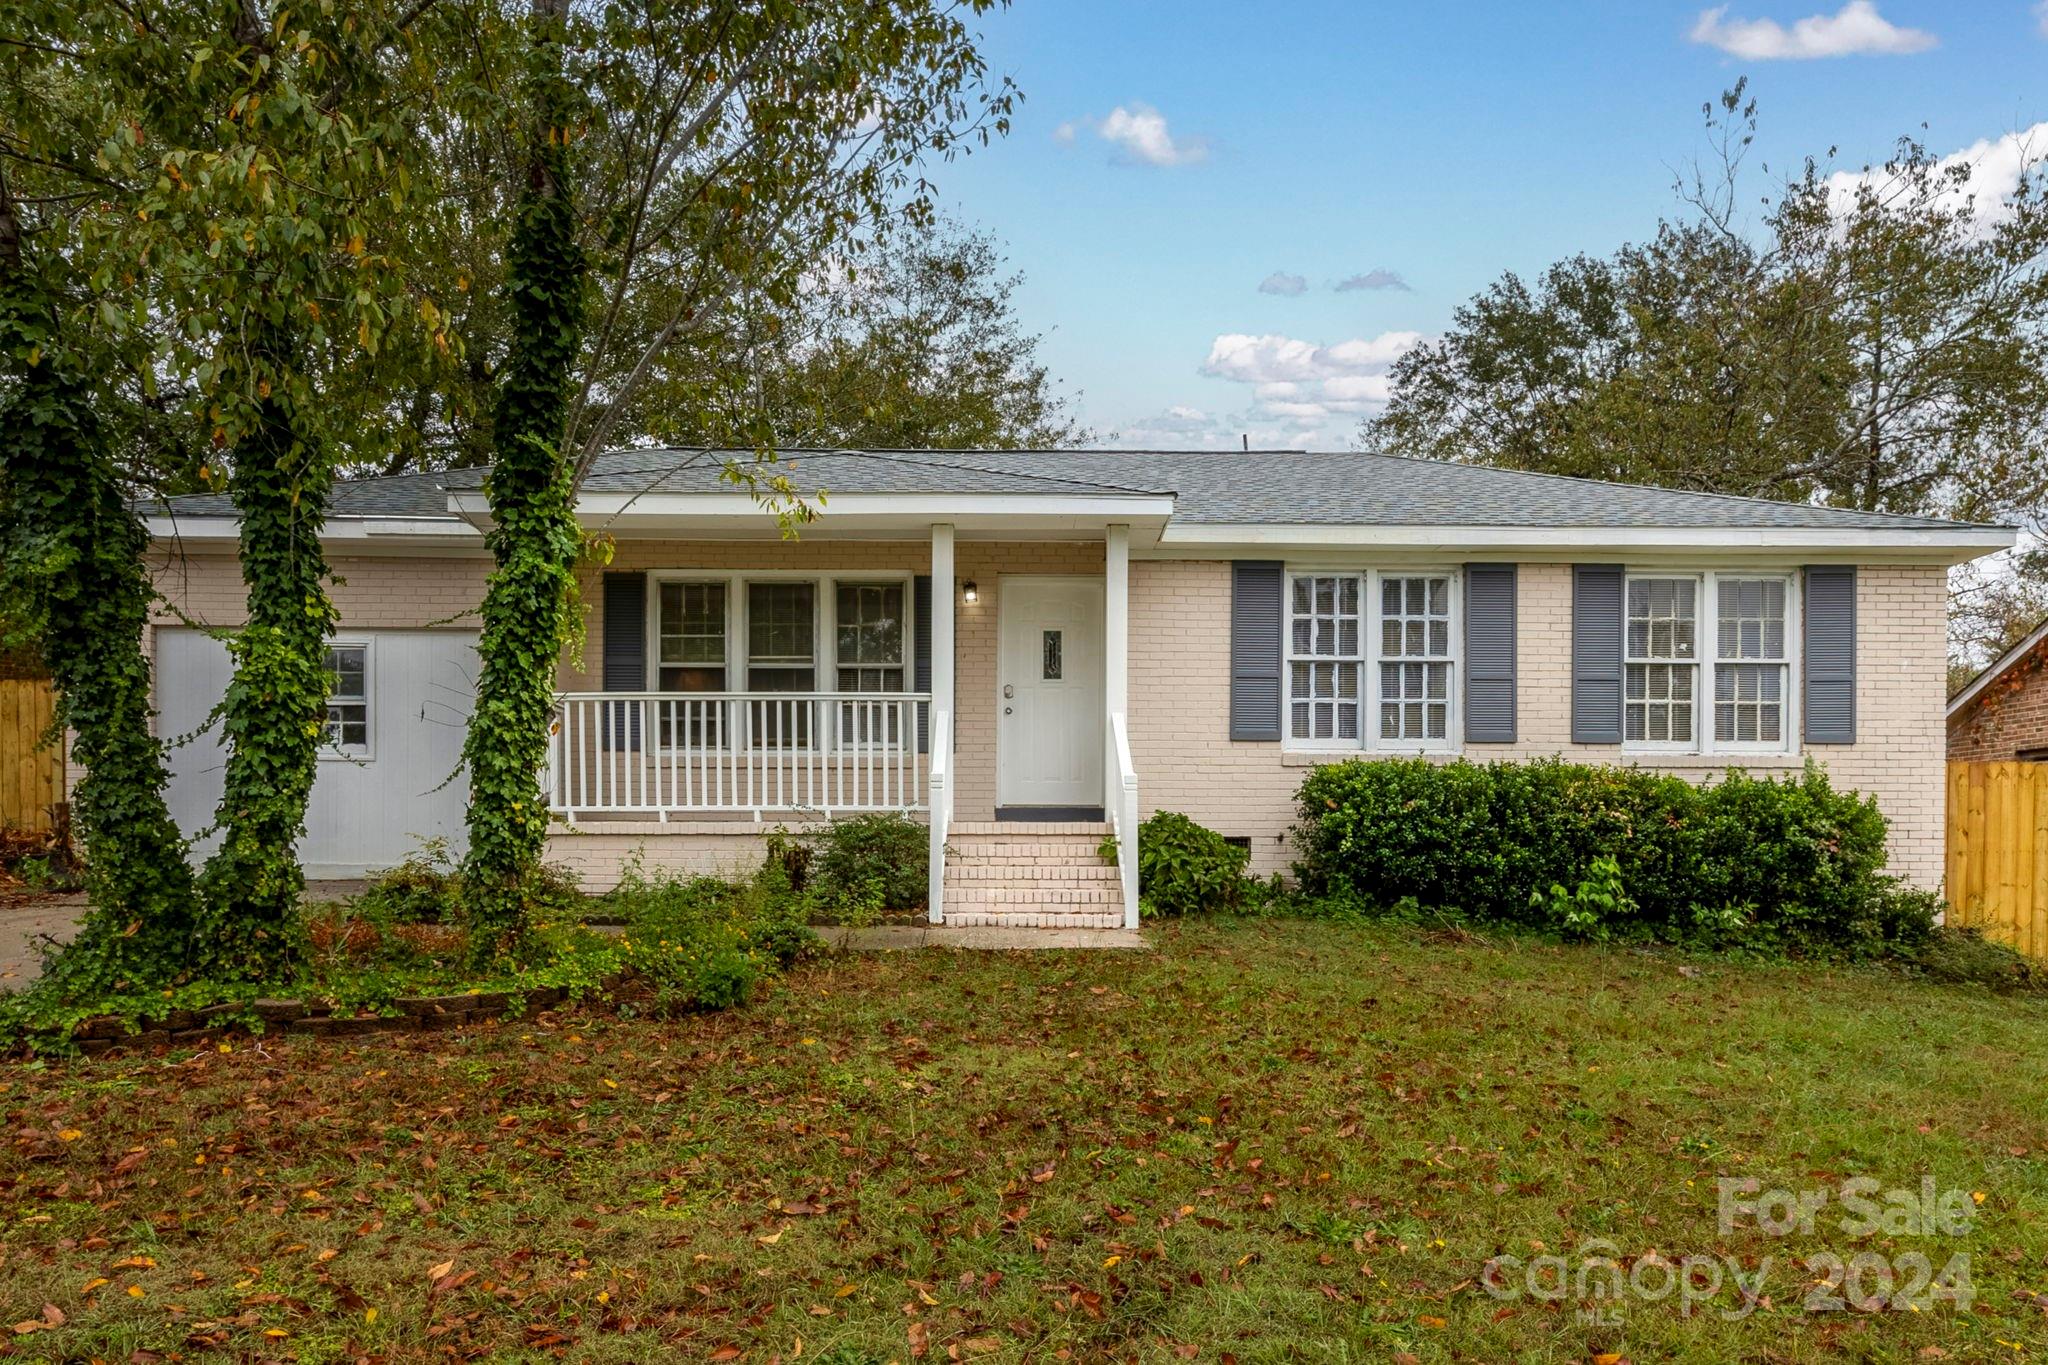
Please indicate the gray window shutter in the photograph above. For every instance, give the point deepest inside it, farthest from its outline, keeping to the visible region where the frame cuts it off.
(1830, 692)
(1256, 618)
(1596, 653)
(921, 654)
(1490, 653)
(625, 652)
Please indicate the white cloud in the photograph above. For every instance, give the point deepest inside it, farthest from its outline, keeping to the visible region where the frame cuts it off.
(1372, 390)
(1856, 29)
(1280, 282)
(1996, 166)
(1185, 428)
(1303, 395)
(1270, 358)
(1318, 393)
(1382, 278)
(1140, 134)
(2041, 16)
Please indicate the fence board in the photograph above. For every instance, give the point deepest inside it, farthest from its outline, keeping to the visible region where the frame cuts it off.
(1997, 853)
(31, 772)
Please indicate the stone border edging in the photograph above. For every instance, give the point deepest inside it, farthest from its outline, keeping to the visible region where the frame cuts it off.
(416, 1013)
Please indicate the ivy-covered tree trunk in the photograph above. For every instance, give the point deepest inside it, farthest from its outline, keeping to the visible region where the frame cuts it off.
(534, 537)
(74, 558)
(275, 707)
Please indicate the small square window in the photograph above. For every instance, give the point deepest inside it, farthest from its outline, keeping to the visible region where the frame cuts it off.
(347, 728)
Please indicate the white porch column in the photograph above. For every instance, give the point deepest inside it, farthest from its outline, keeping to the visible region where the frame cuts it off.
(1119, 778)
(943, 766)
(944, 595)
(1116, 644)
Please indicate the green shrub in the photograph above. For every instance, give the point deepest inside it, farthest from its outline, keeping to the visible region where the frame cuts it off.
(703, 943)
(424, 889)
(1777, 864)
(1184, 867)
(1963, 956)
(1588, 910)
(851, 858)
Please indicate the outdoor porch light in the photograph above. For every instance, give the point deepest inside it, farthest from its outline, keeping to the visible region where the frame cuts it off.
(969, 593)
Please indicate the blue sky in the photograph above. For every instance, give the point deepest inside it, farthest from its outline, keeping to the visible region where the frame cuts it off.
(1169, 157)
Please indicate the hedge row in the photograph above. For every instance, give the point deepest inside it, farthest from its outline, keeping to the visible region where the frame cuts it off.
(1785, 864)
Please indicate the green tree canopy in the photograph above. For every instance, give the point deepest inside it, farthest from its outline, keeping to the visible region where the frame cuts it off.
(1875, 340)
(916, 343)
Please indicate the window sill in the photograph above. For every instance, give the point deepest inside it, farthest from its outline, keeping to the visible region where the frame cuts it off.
(1722, 758)
(1311, 758)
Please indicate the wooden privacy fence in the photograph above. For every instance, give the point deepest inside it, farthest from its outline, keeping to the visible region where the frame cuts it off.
(31, 771)
(1998, 851)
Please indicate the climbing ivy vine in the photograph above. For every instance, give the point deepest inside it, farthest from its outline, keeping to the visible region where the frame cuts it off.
(73, 553)
(233, 184)
(534, 537)
(275, 708)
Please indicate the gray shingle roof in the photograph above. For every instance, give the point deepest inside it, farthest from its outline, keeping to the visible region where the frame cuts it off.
(1214, 487)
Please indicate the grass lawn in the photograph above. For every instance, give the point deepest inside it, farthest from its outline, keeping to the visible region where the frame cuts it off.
(1269, 1141)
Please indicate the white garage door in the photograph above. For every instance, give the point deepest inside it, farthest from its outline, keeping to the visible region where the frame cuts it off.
(397, 781)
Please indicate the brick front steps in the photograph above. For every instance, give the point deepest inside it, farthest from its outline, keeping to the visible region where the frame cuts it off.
(183, 1028)
(1016, 875)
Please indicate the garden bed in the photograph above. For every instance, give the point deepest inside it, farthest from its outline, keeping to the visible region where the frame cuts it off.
(320, 1018)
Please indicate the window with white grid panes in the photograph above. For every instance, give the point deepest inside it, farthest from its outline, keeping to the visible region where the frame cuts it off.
(1660, 642)
(1752, 661)
(1325, 658)
(1415, 659)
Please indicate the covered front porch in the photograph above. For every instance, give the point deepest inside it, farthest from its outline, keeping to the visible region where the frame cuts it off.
(731, 686)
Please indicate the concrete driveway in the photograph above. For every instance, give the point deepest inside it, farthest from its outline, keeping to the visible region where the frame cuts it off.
(23, 925)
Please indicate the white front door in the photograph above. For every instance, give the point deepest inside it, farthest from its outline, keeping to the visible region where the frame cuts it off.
(1049, 692)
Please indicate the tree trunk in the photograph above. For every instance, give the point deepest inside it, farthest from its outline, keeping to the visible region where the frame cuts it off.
(76, 551)
(275, 708)
(534, 538)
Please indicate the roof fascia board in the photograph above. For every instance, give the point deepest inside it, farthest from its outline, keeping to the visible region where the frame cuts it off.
(336, 528)
(927, 506)
(1996, 669)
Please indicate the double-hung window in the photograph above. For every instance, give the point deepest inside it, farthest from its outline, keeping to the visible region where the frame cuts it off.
(1660, 662)
(1325, 659)
(733, 633)
(1415, 659)
(868, 621)
(1708, 661)
(782, 637)
(690, 654)
(782, 656)
(1371, 661)
(691, 636)
(1752, 667)
(870, 626)
(347, 728)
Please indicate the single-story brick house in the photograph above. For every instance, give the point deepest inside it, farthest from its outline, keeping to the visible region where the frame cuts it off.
(2002, 713)
(1032, 648)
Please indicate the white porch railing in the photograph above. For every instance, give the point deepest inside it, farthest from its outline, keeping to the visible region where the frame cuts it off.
(1123, 813)
(667, 753)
